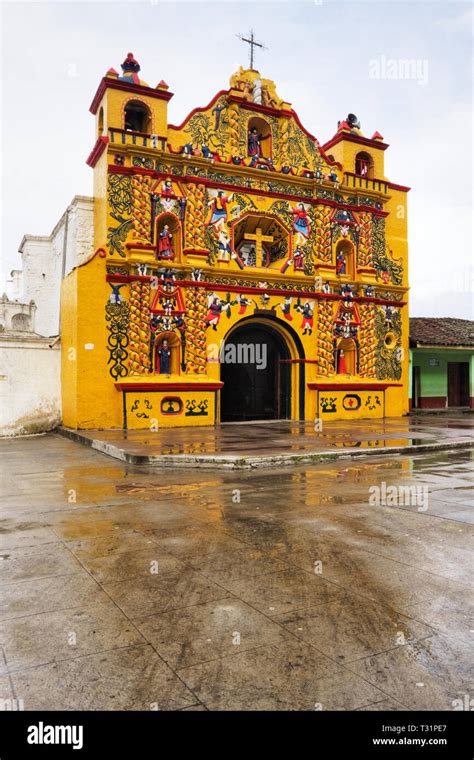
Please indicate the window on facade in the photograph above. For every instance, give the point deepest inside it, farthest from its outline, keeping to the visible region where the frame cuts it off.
(261, 241)
(100, 123)
(346, 358)
(363, 165)
(137, 117)
(167, 354)
(20, 322)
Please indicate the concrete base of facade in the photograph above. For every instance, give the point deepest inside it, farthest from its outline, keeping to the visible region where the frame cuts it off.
(279, 443)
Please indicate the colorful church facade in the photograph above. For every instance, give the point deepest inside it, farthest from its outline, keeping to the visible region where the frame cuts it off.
(240, 271)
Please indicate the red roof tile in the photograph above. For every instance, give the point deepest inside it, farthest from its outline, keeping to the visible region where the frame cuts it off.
(441, 331)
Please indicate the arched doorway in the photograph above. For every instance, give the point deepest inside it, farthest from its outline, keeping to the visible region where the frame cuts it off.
(256, 374)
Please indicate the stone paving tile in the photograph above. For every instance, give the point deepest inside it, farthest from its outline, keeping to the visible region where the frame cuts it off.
(232, 565)
(281, 677)
(195, 541)
(464, 515)
(17, 534)
(369, 575)
(163, 592)
(6, 691)
(426, 675)
(125, 565)
(209, 631)
(63, 634)
(340, 631)
(385, 705)
(451, 612)
(60, 592)
(284, 592)
(132, 678)
(37, 561)
(110, 543)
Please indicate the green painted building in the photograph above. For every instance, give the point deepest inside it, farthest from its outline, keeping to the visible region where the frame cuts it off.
(441, 363)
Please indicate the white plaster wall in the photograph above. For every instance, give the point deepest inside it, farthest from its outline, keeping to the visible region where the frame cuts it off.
(30, 395)
(41, 273)
(43, 267)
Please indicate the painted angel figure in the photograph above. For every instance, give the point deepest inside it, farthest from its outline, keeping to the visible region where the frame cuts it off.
(215, 307)
(301, 223)
(225, 249)
(219, 211)
(286, 308)
(307, 312)
(298, 258)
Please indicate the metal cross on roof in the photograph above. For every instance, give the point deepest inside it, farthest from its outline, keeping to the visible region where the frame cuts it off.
(253, 44)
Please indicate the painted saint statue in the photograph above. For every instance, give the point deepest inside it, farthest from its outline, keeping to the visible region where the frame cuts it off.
(340, 263)
(165, 244)
(254, 146)
(164, 356)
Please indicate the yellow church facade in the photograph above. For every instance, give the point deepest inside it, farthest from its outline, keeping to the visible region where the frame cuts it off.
(241, 270)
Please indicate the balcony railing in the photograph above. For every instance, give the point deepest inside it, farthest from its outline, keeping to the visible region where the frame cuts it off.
(355, 181)
(140, 139)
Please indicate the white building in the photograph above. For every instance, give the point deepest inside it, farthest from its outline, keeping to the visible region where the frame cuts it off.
(30, 359)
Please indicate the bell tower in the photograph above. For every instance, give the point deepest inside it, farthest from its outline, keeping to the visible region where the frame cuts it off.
(129, 115)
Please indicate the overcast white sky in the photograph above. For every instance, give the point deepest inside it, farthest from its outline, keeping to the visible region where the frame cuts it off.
(320, 55)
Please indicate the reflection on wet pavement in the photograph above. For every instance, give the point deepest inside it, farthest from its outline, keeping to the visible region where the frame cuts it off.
(126, 586)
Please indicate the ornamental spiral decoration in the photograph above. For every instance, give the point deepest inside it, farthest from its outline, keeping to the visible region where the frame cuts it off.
(117, 317)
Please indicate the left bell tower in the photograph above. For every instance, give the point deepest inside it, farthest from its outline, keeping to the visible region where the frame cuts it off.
(128, 114)
(102, 327)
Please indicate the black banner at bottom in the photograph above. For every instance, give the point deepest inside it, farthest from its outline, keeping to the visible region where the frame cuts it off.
(141, 735)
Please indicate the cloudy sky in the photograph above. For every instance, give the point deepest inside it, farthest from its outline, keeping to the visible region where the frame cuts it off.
(323, 56)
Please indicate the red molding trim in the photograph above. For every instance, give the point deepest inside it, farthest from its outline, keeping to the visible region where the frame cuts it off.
(115, 169)
(402, 188)
(258, 291)
(352, 386)
(355, 139)
(172, 386)
(135, 89)
(97, 150)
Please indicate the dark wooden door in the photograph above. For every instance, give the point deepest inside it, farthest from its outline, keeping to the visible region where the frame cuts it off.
(253, 392)
(458, 384)
(416, 387)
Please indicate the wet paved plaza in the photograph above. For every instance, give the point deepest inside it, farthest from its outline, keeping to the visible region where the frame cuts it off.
(318, 586)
